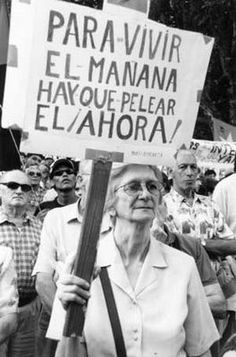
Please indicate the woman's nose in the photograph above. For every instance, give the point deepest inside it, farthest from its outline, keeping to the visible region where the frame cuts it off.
(144, 191)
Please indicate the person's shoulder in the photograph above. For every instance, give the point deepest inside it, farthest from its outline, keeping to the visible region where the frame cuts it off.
(35, 221)
(168, 195)
(227, 181)
(231, 353)
(49, 204)
(175, 255)
(65, 211)
(205, 201)
(189, 245)
(172, 197)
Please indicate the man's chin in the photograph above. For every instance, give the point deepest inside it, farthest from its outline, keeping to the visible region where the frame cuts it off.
(65, 189)
(189, 188)
(18, 203)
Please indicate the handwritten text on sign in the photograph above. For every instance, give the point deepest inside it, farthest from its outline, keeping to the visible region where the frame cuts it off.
(104, 81)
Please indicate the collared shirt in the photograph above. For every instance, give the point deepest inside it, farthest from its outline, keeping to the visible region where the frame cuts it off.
(8, 285)
(59, 237)
(24, 242)
(167, 313)
(201, 219)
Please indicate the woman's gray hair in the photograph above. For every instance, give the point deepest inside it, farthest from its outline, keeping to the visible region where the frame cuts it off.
(116, 174)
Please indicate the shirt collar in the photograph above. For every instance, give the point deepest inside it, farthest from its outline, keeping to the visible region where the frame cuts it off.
(108, 253)
(72, 213)
(179, 198)
(4, 217)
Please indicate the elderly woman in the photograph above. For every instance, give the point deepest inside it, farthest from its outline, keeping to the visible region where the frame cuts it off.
(160, 301)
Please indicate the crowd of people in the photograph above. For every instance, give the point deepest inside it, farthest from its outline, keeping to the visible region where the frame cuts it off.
(166, 254)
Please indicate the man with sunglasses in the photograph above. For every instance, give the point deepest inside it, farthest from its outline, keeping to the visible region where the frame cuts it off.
(21, 232)
(63, 177)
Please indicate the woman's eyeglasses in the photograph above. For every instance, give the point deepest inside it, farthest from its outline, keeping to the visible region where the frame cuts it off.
(31, 173)
(15, 185)
(135, 187)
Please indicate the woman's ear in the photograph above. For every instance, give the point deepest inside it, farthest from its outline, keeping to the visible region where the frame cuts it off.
(112, 212)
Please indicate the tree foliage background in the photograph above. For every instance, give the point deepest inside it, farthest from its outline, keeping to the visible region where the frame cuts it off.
(215, 18)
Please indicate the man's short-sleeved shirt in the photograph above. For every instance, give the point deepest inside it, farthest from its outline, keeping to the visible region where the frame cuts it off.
(202, 219)
(24, 243)
(60, 237)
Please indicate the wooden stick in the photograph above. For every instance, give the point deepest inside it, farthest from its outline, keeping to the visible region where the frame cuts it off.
(90, 230)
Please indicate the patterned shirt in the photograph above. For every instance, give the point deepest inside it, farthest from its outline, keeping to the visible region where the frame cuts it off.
(24, 242)
(201, 219)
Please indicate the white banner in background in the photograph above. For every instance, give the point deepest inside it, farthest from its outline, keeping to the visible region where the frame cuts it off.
(83, 78)
(211, 152)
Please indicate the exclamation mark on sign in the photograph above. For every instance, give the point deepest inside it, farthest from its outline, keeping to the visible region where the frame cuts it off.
(179, 122)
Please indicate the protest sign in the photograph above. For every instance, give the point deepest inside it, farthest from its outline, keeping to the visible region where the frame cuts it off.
(89, 79)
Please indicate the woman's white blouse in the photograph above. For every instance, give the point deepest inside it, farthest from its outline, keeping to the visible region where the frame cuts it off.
(166, 315)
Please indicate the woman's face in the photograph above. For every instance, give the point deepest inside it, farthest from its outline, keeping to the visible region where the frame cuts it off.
(137, 194)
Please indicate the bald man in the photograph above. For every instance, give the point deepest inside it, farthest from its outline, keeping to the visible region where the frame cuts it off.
(21, 233)
(193, 214)
(200, 218)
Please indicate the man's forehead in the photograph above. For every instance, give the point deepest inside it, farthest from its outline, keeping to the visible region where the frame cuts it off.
(16, 176)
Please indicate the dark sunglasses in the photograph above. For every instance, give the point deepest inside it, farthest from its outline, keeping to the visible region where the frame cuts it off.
(61, 172)
(15, 185)
(31, 173)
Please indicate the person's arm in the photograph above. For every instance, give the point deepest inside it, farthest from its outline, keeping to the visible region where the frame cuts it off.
(213, 291)
(220, 247)
(46, 263)
(8, 325)
(8, 294)
(205, 354)
(216, 300)
(46, 289)
(201, 331)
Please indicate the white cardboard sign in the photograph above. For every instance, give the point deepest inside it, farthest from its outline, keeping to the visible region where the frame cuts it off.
(83, 79)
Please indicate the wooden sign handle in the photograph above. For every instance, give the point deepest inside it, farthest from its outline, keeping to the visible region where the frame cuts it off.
(90, 231)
